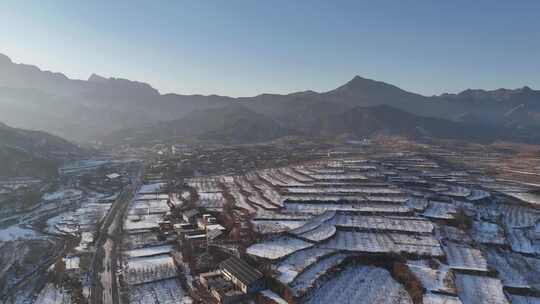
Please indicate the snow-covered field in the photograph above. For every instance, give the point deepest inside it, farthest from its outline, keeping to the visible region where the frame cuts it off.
(148, 206)
(295, 263)
(268, 294)
(16, 232)
(144, 269)
(211, 200)
(275, 226)
(479, 290)
(465, 257)
(142, 222)
(515, 299)
(360, 284)
(277, 248)
(431, 298)
(488, 233)
(392, 223)
(149, 251)
(526, 197)
(516, 216)
(342, 190)
(321, 233)
(515, 270)
(53, 295)
(315, 222)
(439, 210)
(439, 279)
(520, 242)
(308, 278)
(152, 188)
(67, 194)
(204, 184)
(167, 291)
(352, 207)
(374, 242)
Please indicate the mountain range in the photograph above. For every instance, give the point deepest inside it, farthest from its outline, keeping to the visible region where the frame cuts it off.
(116, 109)
(32, 153)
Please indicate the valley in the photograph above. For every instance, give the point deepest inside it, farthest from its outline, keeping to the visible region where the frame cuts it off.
(424, 222)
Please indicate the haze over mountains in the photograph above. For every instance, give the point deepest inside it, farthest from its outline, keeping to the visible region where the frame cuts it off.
(119, 110)
(32, 153)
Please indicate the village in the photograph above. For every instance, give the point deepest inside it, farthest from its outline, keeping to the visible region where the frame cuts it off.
(393, 227)
(377, 222)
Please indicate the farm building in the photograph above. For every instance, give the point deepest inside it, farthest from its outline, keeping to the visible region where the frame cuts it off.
(190, 216)
(247, 278)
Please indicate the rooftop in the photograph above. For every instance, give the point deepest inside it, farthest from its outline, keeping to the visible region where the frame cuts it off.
(241, 270)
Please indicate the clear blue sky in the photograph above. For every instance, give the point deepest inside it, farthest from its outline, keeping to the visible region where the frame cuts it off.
(243, 48)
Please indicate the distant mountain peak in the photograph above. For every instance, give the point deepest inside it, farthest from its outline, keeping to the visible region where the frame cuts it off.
(123, 86)
(5, 59)
(358, 83)
(96, 78)
(358, 80)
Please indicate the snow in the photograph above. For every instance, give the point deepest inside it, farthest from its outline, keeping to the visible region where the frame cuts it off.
(515, 270)
(419, 204)
(358, 207)
(520, 242)
(149, 251)
(398, 199)
(437, 280)
(477, 195)
(167, 291)
(149, 206)
(52, 295)
(526, 197)
(296, 175)
(63, 194)
(465, 257)
(150, 268)
(72, 262)
(488, 233)
(479, 290)
(315, 222)
(453, 234)
(439, 210)
(152, 188)
(142, 222)
(458, 191)
(86, 239)
(211, 200)
(431, 298)
(515, 299)
(17, 232)
(307, 279)
(153, 196)
(321, 233)
(374, 242)
(277, 248)
(271, 177)
(269, 193)
(338, 176)
(275, 226)
(240, 200)
(273, 297)
(516, 216)
(297, 262)
(408, 224)
(343, 190)
(360, 284)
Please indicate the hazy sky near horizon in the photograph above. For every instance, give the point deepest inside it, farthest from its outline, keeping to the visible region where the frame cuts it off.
(247, 47)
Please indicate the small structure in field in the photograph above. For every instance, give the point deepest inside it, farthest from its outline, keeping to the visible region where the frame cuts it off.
(245, 277)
